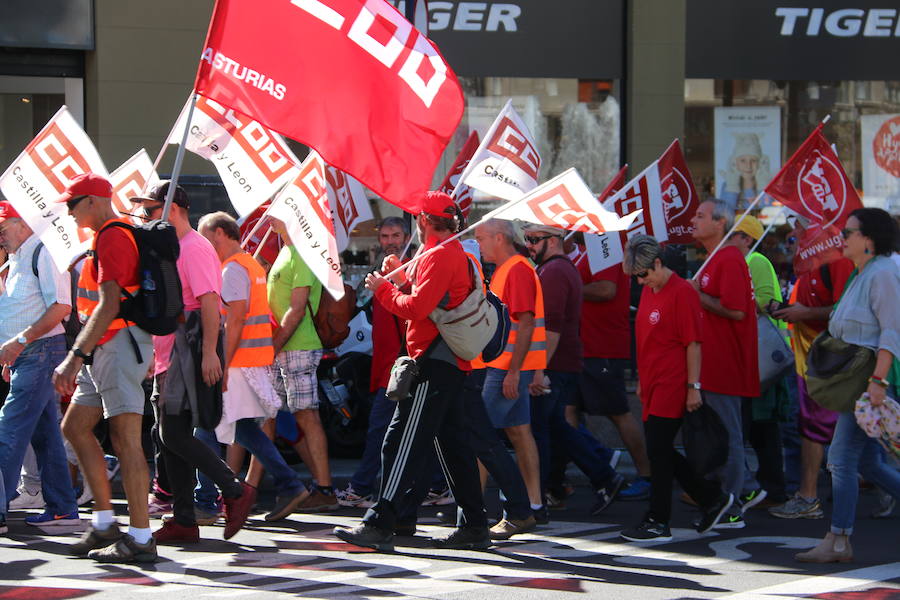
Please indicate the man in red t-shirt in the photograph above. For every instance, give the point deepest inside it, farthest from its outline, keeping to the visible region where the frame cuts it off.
(112, 358)
(606, 336)
(730, 369)
(812, 300)
(432, 416)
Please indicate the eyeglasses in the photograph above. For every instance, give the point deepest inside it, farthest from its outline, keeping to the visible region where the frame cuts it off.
(72, 203)
(149, 210)
(846, 233)
(532, 240)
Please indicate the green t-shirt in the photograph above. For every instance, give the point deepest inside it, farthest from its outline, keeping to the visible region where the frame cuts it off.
(765, 284)
(289, 272)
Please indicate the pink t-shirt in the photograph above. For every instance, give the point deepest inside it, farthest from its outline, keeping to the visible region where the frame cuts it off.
(201, 273)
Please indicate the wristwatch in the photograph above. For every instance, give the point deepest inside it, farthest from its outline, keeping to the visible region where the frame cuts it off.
(80, 354)
(694, 386)
(22, 340)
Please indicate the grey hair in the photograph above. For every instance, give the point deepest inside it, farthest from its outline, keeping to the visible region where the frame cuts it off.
(503, 227)
(399, 222)
(640, 253)
(722, 211)
(224, 221)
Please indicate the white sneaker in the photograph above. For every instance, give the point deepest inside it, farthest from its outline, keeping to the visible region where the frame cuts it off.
(26, 500)
(86, 496)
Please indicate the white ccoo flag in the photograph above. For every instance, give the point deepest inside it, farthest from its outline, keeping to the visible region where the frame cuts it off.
(131, 179)
(39, 175)
(253, 161)
(304, 209)
(506, 163)
(349, 204)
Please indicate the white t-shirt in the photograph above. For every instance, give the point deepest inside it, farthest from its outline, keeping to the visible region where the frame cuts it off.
(235, 283)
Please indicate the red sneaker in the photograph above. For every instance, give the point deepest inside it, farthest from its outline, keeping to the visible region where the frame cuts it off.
(237, 510)
(173, 533)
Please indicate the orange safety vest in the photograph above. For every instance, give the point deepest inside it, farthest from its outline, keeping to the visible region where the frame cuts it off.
(255, 347)
(88, 294)
(537, 353)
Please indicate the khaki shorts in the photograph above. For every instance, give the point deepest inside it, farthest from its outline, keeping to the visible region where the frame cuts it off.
(113, 381)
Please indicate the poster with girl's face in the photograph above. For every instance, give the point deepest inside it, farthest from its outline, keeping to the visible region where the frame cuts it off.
(747, 152)
(881, 161)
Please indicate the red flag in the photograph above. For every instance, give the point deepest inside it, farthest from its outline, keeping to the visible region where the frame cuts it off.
(814, 184)
(613, 186)
(461, 193)
(678, 194)
(351, 78)
(273, 242)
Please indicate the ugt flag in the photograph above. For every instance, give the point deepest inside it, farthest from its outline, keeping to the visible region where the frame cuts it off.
(814, 184)
(132, 178)
(507, 163)
(39, 175)
(253, 161)
(452, 186)
(596, 247)
(679, 197)
(351, 78)
(565, 202)
(303, 207)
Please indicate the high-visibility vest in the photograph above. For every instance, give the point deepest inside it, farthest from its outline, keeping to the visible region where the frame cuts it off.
(537, 353)
(88, 293)
(255, 346)
(476, 363)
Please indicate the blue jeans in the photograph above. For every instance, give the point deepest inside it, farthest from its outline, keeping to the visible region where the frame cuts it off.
(31, 415)
(552, 433)
(852, 452)
(249, 435)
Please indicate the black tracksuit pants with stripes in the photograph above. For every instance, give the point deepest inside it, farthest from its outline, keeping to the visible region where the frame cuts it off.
(433, 417)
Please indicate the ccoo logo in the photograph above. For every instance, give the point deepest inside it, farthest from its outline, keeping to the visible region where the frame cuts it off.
(821, 188)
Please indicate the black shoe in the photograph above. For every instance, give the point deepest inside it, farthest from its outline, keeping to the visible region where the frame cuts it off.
(367, 536)
(3, 528)
(405, 529)
(713, 513)
(541, 515)
(649, 530)
(446, 517)
(465, 538)
(607, 494)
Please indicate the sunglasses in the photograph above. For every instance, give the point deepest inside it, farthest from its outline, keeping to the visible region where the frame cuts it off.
(532, 240)
(71, 204)
(846, 233)
(149, 210)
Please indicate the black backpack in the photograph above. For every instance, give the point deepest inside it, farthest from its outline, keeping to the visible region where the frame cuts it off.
(72, 325)
(158, 303)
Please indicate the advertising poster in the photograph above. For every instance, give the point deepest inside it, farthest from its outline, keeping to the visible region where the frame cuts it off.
(747, 152)
(881, 161)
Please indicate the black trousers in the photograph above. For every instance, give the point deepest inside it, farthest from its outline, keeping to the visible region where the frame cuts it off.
(182, 455)
(666, 464)
(765, 437)
(433, 417)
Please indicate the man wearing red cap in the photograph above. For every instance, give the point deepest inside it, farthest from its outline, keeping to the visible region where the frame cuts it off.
(433, 415)
(107, 364)
(32, 307)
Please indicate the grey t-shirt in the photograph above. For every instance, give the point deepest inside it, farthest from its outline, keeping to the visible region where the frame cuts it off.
(235, 283)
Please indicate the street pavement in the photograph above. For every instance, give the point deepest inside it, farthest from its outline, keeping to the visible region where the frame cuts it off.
(576, 555)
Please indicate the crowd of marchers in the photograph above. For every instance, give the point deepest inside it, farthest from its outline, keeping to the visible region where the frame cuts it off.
(245, 349)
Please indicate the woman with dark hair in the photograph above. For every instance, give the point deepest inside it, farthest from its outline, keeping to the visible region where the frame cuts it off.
(667, 335)
(867, 315)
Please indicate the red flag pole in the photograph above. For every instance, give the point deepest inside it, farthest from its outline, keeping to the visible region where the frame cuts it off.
(179, 158)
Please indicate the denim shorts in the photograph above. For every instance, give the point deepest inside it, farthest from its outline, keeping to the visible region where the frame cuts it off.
(502, 411)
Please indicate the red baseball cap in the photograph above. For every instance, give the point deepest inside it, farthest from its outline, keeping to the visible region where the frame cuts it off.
(8, 211)
(87, 184)
(437, 204)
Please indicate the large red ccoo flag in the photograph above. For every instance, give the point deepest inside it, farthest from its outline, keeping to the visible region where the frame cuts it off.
(351, 78)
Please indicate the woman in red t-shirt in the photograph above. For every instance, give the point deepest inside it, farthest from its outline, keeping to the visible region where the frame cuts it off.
(667, 331)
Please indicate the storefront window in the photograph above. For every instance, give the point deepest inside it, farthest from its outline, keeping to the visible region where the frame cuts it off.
(21, 117)
(575, 123)
(716, 160)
